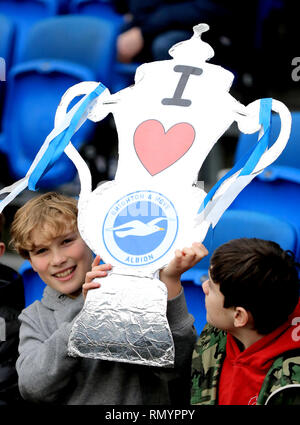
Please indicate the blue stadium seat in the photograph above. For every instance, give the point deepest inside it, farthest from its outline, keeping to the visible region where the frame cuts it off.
(232, 225)
(100, 8)
(85, 40)
(34, 92)
(7, 32)
(276, 192)
(33, 284)
(123, 74)
(195, 300)
(24, 14)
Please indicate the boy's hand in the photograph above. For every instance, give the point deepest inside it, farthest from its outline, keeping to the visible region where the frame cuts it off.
(183, 261)
(97, 271)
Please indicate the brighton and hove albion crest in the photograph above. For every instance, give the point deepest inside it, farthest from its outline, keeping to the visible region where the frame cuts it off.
(140, 228)
(167, 123)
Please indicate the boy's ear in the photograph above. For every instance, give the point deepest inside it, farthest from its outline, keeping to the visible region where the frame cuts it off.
(241, 317)
(2, 248)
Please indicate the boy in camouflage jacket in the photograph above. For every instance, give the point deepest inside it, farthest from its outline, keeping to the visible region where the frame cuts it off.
(249, 352)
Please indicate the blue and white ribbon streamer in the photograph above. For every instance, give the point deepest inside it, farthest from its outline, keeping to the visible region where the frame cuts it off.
(216, 202)
(53, 146)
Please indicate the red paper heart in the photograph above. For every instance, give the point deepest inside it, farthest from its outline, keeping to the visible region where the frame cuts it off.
(157, 149)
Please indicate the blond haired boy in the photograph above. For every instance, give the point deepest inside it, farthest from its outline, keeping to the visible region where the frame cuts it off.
(45, 232)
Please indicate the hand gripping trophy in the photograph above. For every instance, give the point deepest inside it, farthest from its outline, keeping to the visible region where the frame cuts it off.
(167, 123)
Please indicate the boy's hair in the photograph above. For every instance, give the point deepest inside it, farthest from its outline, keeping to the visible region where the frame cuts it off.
(259, 276)
(52, 212)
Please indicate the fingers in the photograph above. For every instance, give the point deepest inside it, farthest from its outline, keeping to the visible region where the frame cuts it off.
(97, 271)
(178, 254)
(196, 252)
(102, 267)
(189, 252)
(197, 249)
(192, 255)
(96, 261)
(90, 276)
(88, 286)
(200, 250)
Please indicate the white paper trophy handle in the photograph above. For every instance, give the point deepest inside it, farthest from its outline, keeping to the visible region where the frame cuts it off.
(253, 163)
(79, 89)
(82, 169)
(61, 113)
(66, 124)
(275, 150)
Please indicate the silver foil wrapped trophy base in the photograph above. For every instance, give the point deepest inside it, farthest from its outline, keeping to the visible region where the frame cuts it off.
(125, 321)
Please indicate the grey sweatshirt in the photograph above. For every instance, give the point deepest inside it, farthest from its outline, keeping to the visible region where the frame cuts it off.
(48, 375)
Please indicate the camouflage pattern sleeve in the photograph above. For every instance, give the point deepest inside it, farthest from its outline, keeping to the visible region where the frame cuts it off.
(207, 361)
(281, 385)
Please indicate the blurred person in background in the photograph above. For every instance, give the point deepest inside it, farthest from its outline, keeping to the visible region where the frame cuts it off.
(153, 26)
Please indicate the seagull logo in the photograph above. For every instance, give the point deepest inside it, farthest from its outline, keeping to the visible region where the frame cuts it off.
(138, 228)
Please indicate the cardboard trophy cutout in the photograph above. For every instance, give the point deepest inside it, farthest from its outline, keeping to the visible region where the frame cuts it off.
(167, 123)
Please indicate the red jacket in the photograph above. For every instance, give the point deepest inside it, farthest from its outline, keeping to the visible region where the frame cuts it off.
(243, 372)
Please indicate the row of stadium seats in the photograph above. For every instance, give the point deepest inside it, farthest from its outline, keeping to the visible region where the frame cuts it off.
(20, 17)
(25, 13)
